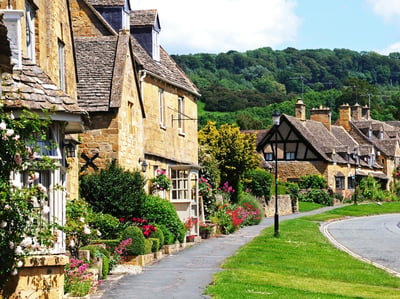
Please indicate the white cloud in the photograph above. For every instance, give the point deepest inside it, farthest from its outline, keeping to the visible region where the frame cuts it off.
(214, 26)
(390, 49)
(388, 9)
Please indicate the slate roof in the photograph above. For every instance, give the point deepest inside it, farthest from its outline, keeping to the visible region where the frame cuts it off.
(391, 133)
(166, 69)
(325, 142)
(144, 17)
(32, 88)
(95, 58)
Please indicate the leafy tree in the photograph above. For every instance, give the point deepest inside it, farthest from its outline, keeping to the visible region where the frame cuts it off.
(234, 150)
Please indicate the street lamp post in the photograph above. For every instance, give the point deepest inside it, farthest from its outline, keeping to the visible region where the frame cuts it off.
(276, 119)
(355, 176)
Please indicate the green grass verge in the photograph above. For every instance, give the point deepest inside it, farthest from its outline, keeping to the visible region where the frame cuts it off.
(301, 263)
(308, 206)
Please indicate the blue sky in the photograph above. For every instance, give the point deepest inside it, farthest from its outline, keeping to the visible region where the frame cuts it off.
(214, 26)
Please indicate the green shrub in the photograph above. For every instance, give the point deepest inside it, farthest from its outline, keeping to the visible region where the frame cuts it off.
(253, 208)
(161, 211)
(312, 181)
(148, 246)
(106, 267)
(158, 233)
(117, 191)
(169, 237)
(108, 225)
(155, 244)
(317, 196)
(258, 182)
(138, 245)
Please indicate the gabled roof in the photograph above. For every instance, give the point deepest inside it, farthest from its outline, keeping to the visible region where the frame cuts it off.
(322, 141)
(95, 58)
(101, 67)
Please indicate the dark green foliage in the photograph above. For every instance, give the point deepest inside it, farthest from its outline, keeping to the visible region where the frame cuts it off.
(158, 233)
(312, 181)
(114, 191)
(293, 190)
(148, 245)
(108, 225)
(169, 237)
(161, 211)
(253, 81)
(155, 244)
(258, 182)
(138, 240)
(318, 196)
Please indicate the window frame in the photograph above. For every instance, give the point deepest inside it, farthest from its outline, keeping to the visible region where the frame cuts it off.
(181, 113)
(161, 103)
(339, 183)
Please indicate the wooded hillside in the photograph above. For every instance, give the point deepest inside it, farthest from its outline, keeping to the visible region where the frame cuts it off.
(250, 85)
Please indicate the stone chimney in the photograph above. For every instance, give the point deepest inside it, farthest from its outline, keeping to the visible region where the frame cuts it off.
(322, 115)
(344, 116)
(300, 110)
(365, 112)
(356, 113)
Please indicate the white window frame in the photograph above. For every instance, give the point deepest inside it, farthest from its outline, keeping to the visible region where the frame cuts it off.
(54, 139)
(156, 45)
(61, 65)
(180, 185)
(181, 115)
(30, 31)
(161, 103)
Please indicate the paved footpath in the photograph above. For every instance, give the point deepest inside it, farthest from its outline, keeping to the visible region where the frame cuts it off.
(187, 273)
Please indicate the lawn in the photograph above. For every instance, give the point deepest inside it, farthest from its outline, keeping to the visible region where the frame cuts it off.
(301, 263)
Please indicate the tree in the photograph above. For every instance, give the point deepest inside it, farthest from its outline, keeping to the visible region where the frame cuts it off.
(235, 151)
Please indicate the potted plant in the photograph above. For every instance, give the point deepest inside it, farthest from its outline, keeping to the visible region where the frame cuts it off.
(206, 229)
(160, 182)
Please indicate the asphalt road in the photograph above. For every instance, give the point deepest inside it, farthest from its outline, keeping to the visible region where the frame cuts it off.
(373, 239)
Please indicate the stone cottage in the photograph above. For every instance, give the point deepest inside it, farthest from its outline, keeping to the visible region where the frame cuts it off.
(142, 107)
(315, 146)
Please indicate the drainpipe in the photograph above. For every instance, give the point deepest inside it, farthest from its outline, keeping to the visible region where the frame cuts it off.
(142, 85)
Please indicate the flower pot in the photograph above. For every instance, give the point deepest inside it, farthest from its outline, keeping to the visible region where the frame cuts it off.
(205, 235)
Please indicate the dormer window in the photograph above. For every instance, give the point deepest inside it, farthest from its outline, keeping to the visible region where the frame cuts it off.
(145, 27)
(370, 133)
(12, 20)
(381, 135)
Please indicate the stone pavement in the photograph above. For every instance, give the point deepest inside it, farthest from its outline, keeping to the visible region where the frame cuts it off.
(187, 273)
